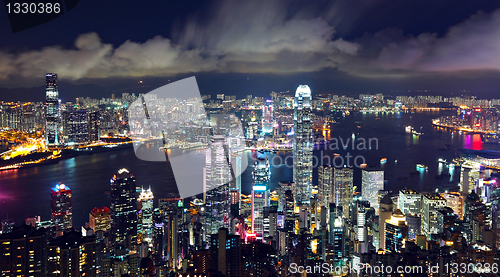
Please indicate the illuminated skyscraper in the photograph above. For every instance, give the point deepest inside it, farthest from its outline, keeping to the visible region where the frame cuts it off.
(76, 126)
(303, 144)
(325, 185)
(218, 178)
(410, 202)
(343, 188)
(372, 182)
(261, 171)
(123, 210)
(396, 232)
(260, 199)
(61, 208)
(94, 126)
(386, 209)
(52, 110)
(431, 203)
(268, 117)
(100, 219)
(171, 208)
(145, 216)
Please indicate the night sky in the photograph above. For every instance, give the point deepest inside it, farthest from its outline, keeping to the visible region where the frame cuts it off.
(255, 47)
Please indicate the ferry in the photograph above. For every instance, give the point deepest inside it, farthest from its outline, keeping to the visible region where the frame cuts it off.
(421, 166)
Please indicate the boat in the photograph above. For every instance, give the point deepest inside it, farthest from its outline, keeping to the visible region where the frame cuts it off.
(421, 166)
(383, 160)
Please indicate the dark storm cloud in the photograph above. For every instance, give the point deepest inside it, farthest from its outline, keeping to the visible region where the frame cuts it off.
(272, 37)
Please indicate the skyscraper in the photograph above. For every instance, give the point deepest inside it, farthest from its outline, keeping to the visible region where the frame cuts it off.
(76, 126)
(72, 255)
(260, 199)
(94, 126)
(52, 110)
(386, 210)
(145, 216)
(171, 208)
(218, 177)
(302, 144)
(410, 202)
(23, 252)
(372, 182)
(325, 185)
(123, 210)
(431, 203)
(396, 231)
(61, 208)
(343, 188)
(267, 117)
(100, 219)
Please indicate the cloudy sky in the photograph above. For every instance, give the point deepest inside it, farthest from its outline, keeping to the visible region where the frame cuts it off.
(351, 46)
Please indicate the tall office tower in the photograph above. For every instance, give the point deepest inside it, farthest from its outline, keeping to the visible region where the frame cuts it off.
(94, 122)
(100, 219)
(72, 255)
(325, 185)
(171, 207)
(145, 216)
(464, 179)
(226, 259)
(343, 188)
(123, 210)
(217, 178)
(261, 171)
(267, 117)
(283, 186)
(61, 209)
(361, 230)
(474, 217)
(235, 189)
(456, 202)
(23, 252)
(372, 180)
(396, 232)
(431, 203)
(410, 202)
(52, 110)
(260, 199)
(337, 233)
(76, 126)
(414, 225)
(270, 224)
(386, 209)
(302, 145)
(334, 219)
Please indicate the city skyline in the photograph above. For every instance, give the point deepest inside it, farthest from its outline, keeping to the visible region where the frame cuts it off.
(256, 138)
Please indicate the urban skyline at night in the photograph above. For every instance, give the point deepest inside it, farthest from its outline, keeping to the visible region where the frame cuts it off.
(255, 138)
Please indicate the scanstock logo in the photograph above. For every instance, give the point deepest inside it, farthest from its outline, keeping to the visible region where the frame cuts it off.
(169, 124)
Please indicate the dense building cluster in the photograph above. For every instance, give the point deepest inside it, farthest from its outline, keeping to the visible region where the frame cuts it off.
(269, 232)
